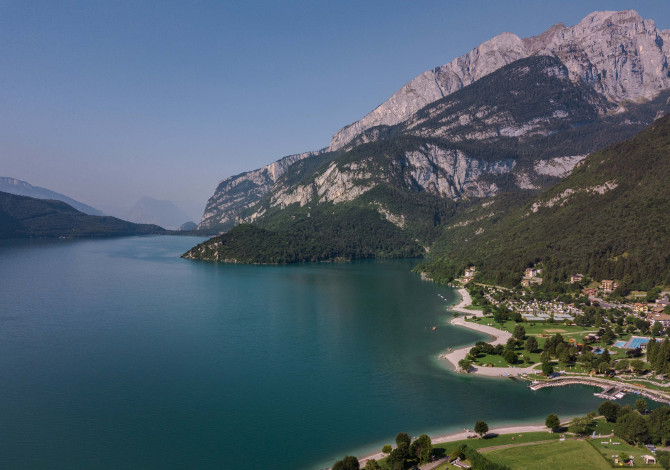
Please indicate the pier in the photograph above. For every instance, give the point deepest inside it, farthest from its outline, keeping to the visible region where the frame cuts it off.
(611, 390)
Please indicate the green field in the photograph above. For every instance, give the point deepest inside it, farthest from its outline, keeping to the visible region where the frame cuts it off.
(501, 440)
(608, 450)
(557, 454)
(474, 308)
(538, 328)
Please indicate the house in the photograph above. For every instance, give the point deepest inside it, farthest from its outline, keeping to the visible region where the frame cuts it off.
(640, 308)
(608, 285)
(589, 291)
(530, 272)
(657, 309)
(662, 318)
(576, 278)
(470, 272)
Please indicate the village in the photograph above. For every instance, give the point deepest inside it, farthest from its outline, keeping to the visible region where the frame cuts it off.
(582, 332)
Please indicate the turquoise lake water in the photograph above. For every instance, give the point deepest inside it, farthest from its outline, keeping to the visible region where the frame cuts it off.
(116, 353)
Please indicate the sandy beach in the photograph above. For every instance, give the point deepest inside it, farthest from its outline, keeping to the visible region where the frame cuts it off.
(498, 337)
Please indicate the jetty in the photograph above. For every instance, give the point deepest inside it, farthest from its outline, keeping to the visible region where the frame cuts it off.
(611, 390)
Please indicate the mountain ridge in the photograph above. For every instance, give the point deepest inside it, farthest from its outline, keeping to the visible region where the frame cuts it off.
(23, 188)
(27, 217)
(238, 198)
(591, 61)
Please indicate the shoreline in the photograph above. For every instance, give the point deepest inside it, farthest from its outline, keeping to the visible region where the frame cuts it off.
(496, 335)
(463, 435)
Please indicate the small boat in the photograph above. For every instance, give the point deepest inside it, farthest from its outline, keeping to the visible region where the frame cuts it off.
(434, 328)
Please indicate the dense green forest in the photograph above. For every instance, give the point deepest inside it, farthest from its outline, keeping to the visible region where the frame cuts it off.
(328, 232)
(27, 217)
(620, 234)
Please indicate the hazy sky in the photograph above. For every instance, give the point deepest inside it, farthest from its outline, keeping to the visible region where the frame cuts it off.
(108, 101)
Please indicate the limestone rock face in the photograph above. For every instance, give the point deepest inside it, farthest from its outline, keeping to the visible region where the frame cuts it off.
(619, 54)
(443, 172)
(237, 193)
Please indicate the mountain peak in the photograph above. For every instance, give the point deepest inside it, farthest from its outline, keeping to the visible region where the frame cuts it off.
(618, 53)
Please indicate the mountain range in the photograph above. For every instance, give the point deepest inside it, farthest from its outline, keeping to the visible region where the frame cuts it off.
(22, 188)
(617, 61)
(493, 128)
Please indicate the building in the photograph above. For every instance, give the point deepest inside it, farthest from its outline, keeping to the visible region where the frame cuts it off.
(608, 285)
(640, 308)
(662, 318)
(589, 291)
(576, 278)
(530, 272)
(470, 272)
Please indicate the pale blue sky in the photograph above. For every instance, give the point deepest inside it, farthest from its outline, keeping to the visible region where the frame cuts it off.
(107, 101)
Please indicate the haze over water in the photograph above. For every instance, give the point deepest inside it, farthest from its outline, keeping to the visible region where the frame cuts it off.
(118, 354)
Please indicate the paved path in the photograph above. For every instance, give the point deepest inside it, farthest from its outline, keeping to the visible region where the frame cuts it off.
(432, 465)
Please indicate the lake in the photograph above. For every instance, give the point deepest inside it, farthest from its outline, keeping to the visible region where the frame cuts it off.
(117, 353)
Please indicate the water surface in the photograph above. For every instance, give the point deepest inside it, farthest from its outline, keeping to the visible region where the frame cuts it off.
(118, 354)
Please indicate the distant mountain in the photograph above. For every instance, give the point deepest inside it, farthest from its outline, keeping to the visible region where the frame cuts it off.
(188, 226)
(21, 188)
(27, 217)
(609, 219)
(154, 211)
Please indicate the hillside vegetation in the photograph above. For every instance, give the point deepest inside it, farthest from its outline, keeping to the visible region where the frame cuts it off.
(326, 233)
(609, 219)
(27, 217)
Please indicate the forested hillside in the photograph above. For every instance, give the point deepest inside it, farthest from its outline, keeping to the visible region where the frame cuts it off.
(609, 219)
(27, 217)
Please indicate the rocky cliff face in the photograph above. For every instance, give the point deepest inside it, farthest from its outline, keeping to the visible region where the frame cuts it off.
(621, 55)
(513, 114)
(237, 193)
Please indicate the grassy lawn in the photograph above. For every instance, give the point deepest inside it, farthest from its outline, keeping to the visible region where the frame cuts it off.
(601, 427)
(500, 440)
(538, 328)
(608, 450)
(496, 360)
(474, 307)
(557, 454)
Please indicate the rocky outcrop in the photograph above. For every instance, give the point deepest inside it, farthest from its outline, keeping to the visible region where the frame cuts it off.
(237, 193)
(444, 172)
(559, 167)
(450, 173)
(619, 54)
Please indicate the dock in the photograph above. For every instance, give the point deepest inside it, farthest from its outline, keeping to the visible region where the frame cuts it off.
(610, 390)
